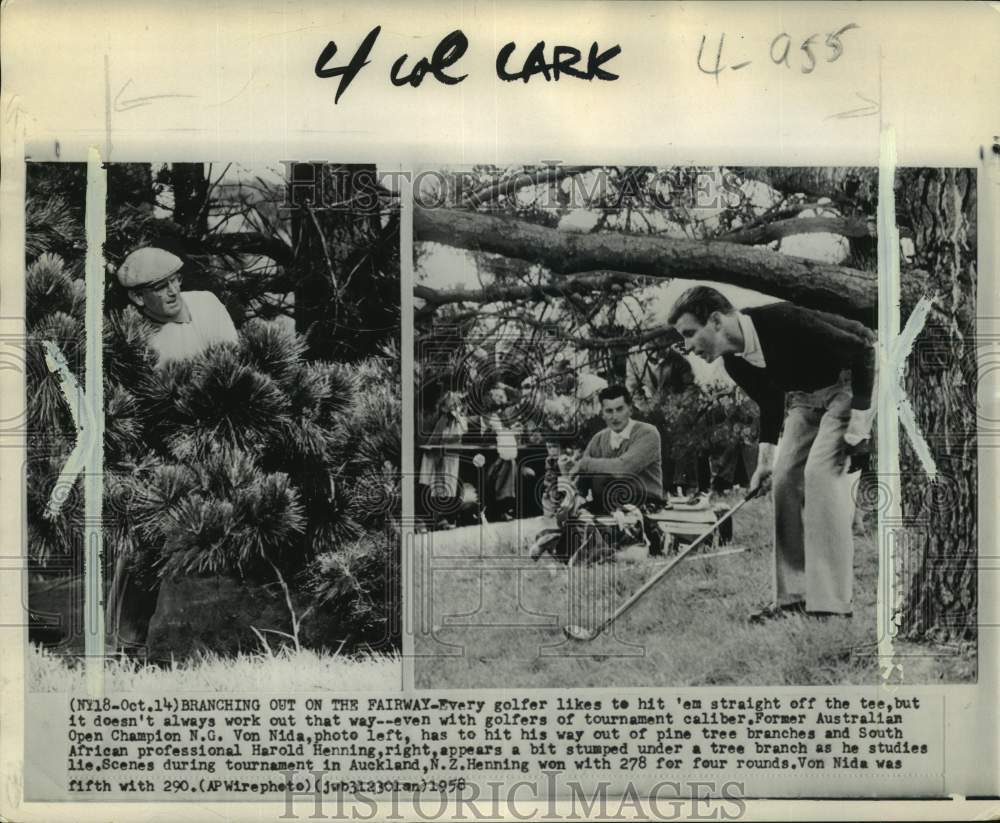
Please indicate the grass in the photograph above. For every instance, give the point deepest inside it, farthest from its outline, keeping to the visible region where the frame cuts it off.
(494, 618)
(284, 671)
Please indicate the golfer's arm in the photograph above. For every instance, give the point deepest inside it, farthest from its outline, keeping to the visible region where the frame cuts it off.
(858, 355)
(769, 398)
(772, 410)
(851, 344)
(857, 349)
(863, 377)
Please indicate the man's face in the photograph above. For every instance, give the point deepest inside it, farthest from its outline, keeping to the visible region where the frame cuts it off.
(498, 397)
(161, 302)
(616, 413)
(704, 340)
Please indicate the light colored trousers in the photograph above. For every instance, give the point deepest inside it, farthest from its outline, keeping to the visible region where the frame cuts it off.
(813, 503)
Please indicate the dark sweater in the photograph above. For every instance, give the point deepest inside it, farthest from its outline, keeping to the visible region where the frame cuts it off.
(804, 350)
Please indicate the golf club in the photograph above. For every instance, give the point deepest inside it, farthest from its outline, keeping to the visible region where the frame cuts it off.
(584, 634)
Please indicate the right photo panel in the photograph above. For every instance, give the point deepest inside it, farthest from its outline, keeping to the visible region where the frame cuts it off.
(647, 413)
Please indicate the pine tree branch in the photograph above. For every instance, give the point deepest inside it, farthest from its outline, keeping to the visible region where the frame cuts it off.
(206, 203)
(837, 289)
(511, 185)
(582, 284)
(768, 232)
(251, 243)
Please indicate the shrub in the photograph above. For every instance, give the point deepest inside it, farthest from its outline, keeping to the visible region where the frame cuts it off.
(247, 460)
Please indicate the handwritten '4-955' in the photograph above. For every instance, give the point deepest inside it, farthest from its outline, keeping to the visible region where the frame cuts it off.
(804, 55)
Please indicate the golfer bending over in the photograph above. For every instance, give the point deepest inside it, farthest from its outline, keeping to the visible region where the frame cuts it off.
(823, 365)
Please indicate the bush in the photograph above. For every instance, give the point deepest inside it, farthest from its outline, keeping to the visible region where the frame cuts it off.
(359, 587)
(248, 460)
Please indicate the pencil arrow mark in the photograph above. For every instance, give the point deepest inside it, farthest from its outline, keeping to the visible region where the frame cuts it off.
(873, 108)
(137, 102)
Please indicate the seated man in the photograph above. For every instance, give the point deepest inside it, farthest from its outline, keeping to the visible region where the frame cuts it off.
(622, 462)
(620, 468)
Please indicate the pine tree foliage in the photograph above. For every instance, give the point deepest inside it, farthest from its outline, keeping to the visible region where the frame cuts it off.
(356, 582)
(52, 227)
(252, 459)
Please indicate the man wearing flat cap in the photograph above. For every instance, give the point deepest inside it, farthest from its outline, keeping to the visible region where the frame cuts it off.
(187, 322)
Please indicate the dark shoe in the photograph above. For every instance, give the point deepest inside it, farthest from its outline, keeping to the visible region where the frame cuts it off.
(772, 611)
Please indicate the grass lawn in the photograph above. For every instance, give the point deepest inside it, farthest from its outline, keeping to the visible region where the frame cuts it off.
(490, 617)
(303, 671)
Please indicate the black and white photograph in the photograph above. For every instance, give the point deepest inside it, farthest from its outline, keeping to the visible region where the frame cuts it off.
(498, 410)
(645, 418)
(249, 521)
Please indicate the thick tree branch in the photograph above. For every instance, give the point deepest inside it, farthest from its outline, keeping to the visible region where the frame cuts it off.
(768, 232)
(837, 289)
(496, 293)
(250, 243)
(842, 184)
(666, 334)
(639, 338)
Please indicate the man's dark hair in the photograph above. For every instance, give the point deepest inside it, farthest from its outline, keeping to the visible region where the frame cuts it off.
(700, 302)
(611, 392)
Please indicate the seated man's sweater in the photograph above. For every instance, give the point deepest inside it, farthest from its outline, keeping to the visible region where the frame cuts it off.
(634, 466)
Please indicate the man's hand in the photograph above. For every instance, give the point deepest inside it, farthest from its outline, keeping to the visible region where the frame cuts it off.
(857, 440)
(859, 455)
(859, 427)
(761, 480)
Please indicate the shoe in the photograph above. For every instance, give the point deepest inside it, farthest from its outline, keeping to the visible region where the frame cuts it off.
(773, 610)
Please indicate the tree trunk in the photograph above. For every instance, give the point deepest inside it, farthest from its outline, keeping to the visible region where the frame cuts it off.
(333, 289)
(937, 563)
(831, 288)
(778, 229)
(854, 187)
(190, 192)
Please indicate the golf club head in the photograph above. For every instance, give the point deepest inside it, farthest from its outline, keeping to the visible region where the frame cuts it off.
(574, 632)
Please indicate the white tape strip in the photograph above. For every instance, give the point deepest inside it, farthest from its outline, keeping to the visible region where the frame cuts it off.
(93, 485)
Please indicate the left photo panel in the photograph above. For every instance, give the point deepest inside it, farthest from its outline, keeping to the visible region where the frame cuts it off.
(213, 404)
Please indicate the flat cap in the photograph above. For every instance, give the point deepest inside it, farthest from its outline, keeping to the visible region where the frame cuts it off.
(146, 266)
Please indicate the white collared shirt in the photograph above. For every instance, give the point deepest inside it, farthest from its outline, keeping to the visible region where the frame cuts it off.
(752, 351)
(617, 438)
